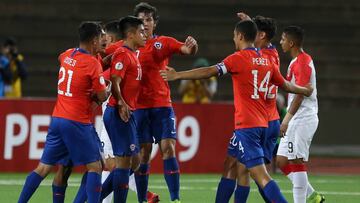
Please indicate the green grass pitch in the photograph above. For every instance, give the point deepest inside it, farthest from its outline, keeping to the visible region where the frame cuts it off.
(195, 188)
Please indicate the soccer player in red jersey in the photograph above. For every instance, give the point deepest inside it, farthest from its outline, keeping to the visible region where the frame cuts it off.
(71, 133)
(251, 72)
(266, 32)
(119, 121)
(154, 115)
(301, 120)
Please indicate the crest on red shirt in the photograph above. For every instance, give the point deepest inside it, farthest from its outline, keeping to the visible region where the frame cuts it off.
(118, 66)
(158, 45)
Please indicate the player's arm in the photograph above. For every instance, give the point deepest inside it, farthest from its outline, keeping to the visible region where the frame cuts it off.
(190, 46)
(170, 74)
(123, 108)
(296, 89)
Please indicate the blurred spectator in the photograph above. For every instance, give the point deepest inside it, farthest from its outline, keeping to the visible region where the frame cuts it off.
(17, 68)
(198, 91)
(5, 73)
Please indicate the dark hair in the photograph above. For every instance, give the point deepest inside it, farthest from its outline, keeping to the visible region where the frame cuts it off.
(128, 24)
(295, 33)
(113, 27)
(89, 30)
(267, 25)
(10, 41)
(248, 29)
(146, 8)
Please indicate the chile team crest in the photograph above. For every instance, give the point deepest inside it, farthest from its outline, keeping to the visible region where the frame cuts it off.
(158, 45)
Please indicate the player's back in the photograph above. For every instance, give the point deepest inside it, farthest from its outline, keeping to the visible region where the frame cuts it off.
(251, 73)
(154, 56)
(79, 76)
(273, 54)
(301, 71)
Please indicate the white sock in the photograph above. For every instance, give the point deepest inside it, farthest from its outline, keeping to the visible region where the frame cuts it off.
(132, 183)
(300, 184)
(104, 175)
(309, 190)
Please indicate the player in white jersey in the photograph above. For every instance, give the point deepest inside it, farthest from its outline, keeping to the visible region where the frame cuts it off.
(301, 121)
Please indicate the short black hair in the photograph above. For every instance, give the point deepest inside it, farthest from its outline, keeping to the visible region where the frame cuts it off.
(267, 25)
(128, 24)
(10, 41)
(113, 27)
(88, 30)
(295, 33)
(146, 8)
(248, 29)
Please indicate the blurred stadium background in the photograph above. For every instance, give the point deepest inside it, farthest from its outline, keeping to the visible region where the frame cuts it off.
(46, 28)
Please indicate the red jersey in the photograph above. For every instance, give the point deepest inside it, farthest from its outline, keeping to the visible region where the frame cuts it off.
(272, 53)
(301, 71)
(79, 76)
(153, 57)
(126, 65)
(251, 73)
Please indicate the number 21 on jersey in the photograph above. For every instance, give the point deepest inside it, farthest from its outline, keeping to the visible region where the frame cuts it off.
(62, 74)
(263, 84)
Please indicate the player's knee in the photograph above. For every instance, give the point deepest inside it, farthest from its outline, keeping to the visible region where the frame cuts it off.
(145, 153)
(168, 152)
(43, 169)
(135, 162)
(94, 167)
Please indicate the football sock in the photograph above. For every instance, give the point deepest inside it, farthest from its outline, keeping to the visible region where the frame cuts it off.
(300, 183)
(172, 177)
(272, 192)
(266, 200)
(132, 182)
(142, 181)
(32, 182)
(104, 176)
(81, 194)
(93, 187)
(107, 186)
(225, 189)
(241, 193)
(120, 184)
(58, 193)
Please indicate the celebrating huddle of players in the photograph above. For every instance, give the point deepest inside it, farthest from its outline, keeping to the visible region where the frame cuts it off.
(125, 68)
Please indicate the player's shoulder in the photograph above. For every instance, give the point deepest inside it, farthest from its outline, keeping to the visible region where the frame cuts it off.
(304, 58)
(113, 47)
(164, 39)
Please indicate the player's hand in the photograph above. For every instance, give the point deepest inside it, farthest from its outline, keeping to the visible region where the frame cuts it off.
(310, 90)
(169, 74)
(190, 42)
(124, 112)
(283, 129)
(243, 16)
(107, 59)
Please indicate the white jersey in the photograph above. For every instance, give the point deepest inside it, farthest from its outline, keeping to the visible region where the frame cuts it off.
(301, 71)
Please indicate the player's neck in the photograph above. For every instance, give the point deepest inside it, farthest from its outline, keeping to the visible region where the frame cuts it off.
(295, 52)
(246, 45)
(130, 45)
(88, 48)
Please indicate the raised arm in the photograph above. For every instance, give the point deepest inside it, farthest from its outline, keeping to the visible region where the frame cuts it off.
(190, 46)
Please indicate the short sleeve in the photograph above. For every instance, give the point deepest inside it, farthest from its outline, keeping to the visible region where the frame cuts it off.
(173, 46)
(98, 81)
(277, 79)
(119, 64)
(302, 74)
(226, 65)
